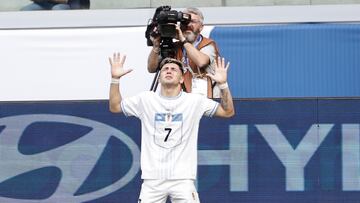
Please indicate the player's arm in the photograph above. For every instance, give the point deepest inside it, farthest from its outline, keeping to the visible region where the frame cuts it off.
(226, 107)
(117, 71)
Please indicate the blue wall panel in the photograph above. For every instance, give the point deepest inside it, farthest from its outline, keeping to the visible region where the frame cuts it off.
(273, 151)
(295, 60)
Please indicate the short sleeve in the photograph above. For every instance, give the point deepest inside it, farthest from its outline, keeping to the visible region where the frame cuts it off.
(209, 106)
(132, 106)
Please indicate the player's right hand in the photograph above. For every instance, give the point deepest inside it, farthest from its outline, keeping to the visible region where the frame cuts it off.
(117, 65)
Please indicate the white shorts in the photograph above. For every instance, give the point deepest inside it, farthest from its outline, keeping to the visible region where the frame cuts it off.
(179, 191)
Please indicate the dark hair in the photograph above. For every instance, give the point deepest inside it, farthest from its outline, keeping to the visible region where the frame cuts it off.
(172, 60)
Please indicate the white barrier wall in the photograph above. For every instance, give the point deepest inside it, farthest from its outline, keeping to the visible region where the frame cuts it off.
(63, 55)
(70, 64)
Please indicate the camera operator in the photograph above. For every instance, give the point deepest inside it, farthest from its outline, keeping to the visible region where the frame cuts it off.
(195, 51)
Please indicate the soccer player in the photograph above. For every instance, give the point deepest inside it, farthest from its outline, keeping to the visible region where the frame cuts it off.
(169, 128)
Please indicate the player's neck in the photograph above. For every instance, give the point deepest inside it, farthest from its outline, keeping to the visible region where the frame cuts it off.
(170, 91)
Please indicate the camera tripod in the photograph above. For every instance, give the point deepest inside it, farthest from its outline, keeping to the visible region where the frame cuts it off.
(155, 81)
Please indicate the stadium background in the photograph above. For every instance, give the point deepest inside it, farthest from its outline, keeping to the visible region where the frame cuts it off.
(295, 79)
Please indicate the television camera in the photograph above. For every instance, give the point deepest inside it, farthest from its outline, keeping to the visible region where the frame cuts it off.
(163, 24)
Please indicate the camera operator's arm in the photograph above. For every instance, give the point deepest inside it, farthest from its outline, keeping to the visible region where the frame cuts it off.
(153, 59)
(117, 71)
(199, 58)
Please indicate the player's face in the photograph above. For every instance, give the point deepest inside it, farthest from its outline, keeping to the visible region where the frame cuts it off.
(170, 73)
(193, 29)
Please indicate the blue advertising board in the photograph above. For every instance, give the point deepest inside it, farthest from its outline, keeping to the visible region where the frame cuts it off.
(272, 150)
(292, 60)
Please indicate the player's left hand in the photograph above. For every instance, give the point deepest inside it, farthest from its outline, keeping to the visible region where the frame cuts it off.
(220, 73)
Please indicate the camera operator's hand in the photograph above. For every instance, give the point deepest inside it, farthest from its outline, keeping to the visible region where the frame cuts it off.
(156, 41)
(155, 38)
(117, 63)
(179, 34)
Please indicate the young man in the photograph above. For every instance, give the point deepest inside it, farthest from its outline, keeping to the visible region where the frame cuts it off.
(169, 128)
(195, 51)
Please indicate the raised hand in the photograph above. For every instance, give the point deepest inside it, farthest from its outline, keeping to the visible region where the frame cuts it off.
(117, 63)
(220, 73)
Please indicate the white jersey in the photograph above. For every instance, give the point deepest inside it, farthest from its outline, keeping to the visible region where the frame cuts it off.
(169, 132)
